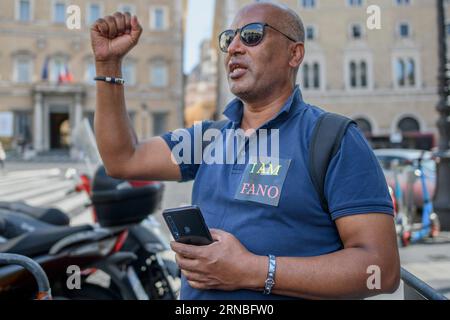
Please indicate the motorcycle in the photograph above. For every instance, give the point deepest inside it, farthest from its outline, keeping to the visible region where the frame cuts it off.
(61, 251)
(121, 208)
(160, 276)
(118, 203)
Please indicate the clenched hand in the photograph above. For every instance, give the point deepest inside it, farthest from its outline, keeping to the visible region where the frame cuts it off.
(112, 37)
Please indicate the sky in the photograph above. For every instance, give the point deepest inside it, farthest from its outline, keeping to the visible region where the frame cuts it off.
(199, 27)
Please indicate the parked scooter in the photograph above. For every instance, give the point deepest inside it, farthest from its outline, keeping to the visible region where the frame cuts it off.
(113, 201)
(61, 251)
(397, 195)
(429, 227)
(117, 205)
(116, 202)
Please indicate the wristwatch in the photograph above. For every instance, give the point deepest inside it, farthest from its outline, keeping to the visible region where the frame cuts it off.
(270, 281)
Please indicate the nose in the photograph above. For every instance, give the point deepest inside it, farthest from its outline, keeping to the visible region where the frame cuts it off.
(236, 46)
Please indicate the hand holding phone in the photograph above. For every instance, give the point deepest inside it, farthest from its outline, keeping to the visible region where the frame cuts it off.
(188, 226)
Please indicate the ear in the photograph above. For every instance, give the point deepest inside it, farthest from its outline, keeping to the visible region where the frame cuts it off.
(297, 54)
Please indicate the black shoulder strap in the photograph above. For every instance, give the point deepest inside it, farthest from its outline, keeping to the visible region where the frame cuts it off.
(325, 143)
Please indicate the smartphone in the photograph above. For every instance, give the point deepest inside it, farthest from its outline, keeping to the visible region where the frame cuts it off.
(188, 226)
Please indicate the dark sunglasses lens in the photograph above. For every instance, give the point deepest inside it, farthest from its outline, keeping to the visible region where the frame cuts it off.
(252, 34)
(225, 40)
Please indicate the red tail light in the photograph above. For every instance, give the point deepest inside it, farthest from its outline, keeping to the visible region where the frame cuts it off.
(120, 241)
(138, 184)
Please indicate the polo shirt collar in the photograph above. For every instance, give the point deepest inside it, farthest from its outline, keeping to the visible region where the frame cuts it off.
(235, 109)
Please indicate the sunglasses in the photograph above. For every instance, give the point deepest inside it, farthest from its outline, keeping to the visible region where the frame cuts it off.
(251, 35)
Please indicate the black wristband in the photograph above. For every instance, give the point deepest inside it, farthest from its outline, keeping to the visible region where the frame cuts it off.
(110, 79)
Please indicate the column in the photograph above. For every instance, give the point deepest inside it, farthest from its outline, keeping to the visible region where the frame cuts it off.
(75, 122)
(38, 123)
(78, 114)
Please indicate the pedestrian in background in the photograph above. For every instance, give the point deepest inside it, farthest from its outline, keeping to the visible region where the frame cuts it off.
(2, 156)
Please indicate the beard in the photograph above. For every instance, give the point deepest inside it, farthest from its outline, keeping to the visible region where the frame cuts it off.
(246, 88)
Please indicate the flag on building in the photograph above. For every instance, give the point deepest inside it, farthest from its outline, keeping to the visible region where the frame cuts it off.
(64, 75)
(44, 75)
(69, 76)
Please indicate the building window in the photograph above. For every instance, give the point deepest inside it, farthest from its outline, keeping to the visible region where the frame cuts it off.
(158, 19)
(131, 9)
(404, 30)
(310, 33)
(354, 3)
(405, 72)
(23, 8)
(57, 68)
(159, 74)
(400, 73)
(356, 31)
(363, 74)
(94, 13)
(364, 125)
(308, 4)
(23, 70)
(353, 74)
(59, 12)
(306, 76)
(22, 126)
(408, 124)
(402, 2)
(411, 72)
(358, 73)
(159, 123)
(316, 76)
(311, 76)
(90, 73)
(129, 73)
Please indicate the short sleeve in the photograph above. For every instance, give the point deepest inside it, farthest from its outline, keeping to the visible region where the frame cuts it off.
(355, 183)
(192, 139)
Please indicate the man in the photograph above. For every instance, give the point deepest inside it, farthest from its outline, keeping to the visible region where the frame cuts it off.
(310, 253)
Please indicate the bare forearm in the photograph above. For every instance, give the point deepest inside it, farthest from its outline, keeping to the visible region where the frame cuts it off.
(115, 136)
(340, 275)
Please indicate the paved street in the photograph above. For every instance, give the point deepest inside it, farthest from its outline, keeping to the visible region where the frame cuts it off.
(41, 184)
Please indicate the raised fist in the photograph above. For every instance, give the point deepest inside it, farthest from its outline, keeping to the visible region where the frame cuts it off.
(114, 36)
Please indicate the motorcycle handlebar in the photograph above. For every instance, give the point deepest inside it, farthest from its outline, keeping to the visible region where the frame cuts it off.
(34, 268)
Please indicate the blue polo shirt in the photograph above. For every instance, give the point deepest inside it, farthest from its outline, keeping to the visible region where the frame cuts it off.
(291, 223)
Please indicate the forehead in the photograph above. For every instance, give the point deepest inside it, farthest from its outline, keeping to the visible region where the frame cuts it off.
(254, 14)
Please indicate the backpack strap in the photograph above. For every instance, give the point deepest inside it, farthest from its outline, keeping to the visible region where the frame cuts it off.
(325, 143)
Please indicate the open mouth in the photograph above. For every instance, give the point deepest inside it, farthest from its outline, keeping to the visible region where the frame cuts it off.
(237, 70)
